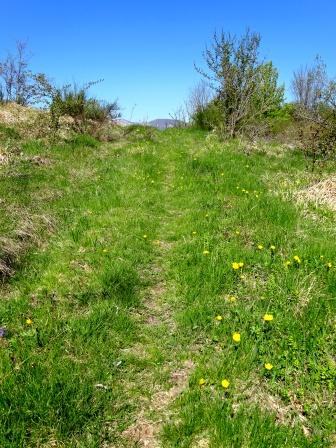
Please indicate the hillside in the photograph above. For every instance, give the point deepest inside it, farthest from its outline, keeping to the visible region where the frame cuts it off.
(168, 290)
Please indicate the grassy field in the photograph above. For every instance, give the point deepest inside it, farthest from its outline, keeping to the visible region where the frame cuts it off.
(170, 291)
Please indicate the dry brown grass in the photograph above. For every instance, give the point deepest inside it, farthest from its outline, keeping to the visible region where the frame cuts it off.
(320, 193)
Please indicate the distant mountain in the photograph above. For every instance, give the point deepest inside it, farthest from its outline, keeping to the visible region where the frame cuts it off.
(122, 122)
(164, 123)
(159, 123)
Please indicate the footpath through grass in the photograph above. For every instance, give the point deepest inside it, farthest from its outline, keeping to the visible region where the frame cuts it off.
(184, 299)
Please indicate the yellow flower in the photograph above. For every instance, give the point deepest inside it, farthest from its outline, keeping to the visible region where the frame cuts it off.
(145, 236)
(236, 337)
(207, 215)
(105, 250)
(287, 263)
(237, 265)
(206, 252)
(225, 383)
(29, 321)
(268, 366)
(321, 256)
(297, 259)
(237, 232)
(260, 246)
(219, 317)
(222, 174)
(268, 317)
(232, 299)
(272, 248)
(201, 381)
(194, 232)
(329, 265)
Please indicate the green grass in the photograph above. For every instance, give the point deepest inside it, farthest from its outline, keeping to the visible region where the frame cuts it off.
(121, 295)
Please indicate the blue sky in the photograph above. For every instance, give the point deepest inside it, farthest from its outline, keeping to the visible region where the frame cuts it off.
(145, 51)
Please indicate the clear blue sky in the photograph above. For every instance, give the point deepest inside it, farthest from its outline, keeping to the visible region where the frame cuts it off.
(145, 51)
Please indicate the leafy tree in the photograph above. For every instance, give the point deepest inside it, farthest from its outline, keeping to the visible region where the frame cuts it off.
(245, 86)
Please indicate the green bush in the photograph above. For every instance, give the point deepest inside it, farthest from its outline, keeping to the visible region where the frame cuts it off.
(281, 119)
(7, 132)
(208, 117)
(85, 140)
(136, 132)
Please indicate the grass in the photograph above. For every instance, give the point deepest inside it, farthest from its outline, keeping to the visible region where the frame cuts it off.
(110, 317)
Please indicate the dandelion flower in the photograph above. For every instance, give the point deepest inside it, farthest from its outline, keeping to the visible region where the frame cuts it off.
(105, 250)
(145, 236)
(222, 174)
(232, 299)
(268, 317)
(206, 252)
(29, 321)
(297, 259)
(201, 381)
(287, 263)
(225, 383)
(272, 248)
(268, 366)
(260, 246)
(219, 317)
(194, 232)
(329, 265)
(237, 265)
(237, 232)
(236, 337)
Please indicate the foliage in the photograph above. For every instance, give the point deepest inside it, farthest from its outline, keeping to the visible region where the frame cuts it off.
(87, 113)
(316, 112)
(245, 86)
(138, 132)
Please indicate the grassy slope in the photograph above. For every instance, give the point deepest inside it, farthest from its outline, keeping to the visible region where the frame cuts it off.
(122, 297)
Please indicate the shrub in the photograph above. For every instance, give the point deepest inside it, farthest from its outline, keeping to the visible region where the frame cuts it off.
(83, 140)
(75, 102)
(316, 112)
(208, 117)
(7, 132)
(246, 87)
(138, 132)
